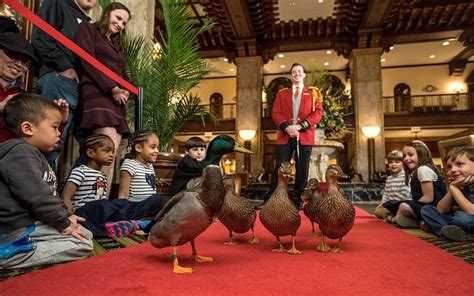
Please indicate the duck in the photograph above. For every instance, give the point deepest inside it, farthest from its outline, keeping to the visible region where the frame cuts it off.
(189, 213)
(217, 148)
(335, 214)
(237, 214)
(313, 196)
(279, 215)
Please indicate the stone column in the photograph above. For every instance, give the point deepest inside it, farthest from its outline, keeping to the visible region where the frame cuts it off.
(366, 84)
(143, 16)
(249, 108)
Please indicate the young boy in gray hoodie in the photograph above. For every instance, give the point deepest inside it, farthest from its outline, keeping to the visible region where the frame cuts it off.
(35, 227)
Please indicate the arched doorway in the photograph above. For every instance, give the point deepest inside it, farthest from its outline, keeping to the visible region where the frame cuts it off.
(216, 100)
(402, 95)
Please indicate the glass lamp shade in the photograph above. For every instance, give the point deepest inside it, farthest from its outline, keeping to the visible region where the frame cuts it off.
(248, 134)
(371, 131)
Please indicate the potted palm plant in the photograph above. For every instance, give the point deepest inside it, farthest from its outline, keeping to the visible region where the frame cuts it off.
(167, 68)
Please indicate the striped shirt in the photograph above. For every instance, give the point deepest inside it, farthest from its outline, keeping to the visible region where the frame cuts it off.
(395, 188)
(91, 185)
(143, 182)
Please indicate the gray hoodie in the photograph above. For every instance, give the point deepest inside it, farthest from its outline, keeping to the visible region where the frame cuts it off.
(28, 189)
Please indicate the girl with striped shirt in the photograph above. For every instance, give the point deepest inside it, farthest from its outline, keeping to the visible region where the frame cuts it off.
(137, 176)
(85, 194)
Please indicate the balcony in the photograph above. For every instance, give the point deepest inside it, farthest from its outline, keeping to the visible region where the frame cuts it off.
(428, 103)
(447, 109)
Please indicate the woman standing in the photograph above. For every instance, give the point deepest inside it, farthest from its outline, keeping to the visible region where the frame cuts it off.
(102, 104)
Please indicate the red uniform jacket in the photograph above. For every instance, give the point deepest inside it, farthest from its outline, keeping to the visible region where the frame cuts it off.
(309, 115)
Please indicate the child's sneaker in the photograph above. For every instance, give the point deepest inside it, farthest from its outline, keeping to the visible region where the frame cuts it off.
(406, 222)
(118, 229)
(456, 233)
(140, 224)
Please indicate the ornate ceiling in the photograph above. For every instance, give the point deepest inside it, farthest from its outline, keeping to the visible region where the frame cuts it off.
(253, 27)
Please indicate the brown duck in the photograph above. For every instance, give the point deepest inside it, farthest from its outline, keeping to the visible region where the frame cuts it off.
(279, 215)
(237, 214)
(187, 215)
(335, 214)
(313, 197)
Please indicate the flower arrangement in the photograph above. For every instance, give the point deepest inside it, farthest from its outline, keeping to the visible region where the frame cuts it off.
(334, 99)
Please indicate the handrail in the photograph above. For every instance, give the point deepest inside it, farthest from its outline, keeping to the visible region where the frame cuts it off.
(428, 103)
(40, 23)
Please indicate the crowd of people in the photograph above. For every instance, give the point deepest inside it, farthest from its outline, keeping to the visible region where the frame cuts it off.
(40, 226)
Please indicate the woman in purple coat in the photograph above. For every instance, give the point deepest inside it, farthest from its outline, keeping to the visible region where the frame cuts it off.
(102, 104)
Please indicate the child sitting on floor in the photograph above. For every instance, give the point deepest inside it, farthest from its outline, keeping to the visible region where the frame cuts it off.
(444, 220)
(86, 190)
(426, 184)
(137, 175)
(35, 227)
(395, 188)
(190, 166)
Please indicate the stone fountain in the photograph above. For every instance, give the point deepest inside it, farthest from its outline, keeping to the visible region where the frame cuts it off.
(322, 151)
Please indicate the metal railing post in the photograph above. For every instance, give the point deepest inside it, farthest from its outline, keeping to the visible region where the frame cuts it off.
(139, 109)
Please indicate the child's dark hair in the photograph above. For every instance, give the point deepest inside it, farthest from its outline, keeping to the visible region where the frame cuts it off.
(26, 107)
(93, 142)
(137, 137)
(460, 151)
(194, 142)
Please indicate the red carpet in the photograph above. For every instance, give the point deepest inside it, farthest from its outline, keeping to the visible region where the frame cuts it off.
(378, 259)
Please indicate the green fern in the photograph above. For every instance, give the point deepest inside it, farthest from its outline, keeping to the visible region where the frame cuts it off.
(167, 76)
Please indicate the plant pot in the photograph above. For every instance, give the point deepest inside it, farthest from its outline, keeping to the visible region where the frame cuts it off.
(165, 166)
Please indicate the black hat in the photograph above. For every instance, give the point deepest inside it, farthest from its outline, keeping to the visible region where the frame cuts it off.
(17, 43)
(8, 25)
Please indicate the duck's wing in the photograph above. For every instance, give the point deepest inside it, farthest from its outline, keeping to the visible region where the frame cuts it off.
(166, 208)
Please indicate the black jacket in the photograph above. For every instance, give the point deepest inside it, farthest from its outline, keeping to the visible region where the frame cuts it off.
(64, 16)
(187, 169)
(28, 189)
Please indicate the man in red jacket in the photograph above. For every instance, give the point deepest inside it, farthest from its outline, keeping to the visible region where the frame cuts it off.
(296, 111)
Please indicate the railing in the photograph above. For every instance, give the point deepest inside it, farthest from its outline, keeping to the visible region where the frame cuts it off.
(422, 103)
(428, 103)
(222, 111)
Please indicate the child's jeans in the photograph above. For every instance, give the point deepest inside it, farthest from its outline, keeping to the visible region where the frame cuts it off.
(436, 220)
(98, 212)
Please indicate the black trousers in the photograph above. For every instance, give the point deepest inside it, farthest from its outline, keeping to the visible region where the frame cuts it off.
(284, 153)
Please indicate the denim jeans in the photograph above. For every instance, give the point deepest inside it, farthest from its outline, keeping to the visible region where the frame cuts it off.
(436, 221)
(55, 86)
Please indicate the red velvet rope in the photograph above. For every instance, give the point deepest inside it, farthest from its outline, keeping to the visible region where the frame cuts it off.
(40, 23)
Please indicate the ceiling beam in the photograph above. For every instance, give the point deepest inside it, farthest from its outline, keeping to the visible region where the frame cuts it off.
(238, 14)
(420, 36)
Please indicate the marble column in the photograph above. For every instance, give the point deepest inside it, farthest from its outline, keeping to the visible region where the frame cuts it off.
(366, 84)
(249, 109)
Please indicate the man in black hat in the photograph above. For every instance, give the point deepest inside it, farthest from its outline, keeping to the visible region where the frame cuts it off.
(16, 56)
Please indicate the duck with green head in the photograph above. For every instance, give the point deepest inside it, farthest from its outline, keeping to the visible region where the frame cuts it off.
(190, 212)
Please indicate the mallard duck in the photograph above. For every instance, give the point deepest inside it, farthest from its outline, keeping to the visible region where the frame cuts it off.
(313, 197)
(279, 215)
(335, 214)
(218, 147)
(237, 213)
(189, 213)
